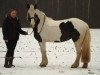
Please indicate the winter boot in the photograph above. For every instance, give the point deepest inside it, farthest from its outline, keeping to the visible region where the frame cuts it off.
(6, 65)
(11, 62)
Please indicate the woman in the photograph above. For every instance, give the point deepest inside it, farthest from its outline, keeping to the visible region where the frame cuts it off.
(11, 29)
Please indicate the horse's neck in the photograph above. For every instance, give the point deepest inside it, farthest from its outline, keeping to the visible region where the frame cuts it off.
(48, 21)
(41, 16)
(40, 13)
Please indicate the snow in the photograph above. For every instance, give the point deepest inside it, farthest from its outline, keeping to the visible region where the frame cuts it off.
(60, 56)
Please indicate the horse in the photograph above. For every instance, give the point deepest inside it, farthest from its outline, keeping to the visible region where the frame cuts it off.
(47, 29)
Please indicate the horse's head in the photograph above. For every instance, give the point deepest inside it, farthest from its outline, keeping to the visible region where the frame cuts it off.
(31, 14)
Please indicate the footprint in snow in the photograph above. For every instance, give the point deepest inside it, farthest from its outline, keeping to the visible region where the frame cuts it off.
(90, 72)
(61, 71)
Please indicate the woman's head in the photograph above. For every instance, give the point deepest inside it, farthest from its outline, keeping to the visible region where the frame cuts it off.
(12, 13)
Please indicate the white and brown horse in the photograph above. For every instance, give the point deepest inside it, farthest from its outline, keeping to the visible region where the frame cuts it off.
(48, 30)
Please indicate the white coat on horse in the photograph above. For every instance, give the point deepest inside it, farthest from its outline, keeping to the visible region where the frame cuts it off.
(48, 30)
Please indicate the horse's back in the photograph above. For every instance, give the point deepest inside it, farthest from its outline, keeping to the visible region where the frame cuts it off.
(79, 24)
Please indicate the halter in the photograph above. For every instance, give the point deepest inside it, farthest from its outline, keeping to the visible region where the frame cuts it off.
(41, 27)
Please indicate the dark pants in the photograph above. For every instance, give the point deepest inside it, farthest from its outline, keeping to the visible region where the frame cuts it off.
(10, 48)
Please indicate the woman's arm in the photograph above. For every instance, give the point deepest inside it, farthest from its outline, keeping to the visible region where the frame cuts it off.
(20, 30)
(5, 30)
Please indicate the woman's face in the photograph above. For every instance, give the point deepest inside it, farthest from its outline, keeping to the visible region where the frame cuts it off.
(13, 14)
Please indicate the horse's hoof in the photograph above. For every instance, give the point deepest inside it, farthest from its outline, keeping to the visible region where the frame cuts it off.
(74, 65)
(85, 65)
(42, 65)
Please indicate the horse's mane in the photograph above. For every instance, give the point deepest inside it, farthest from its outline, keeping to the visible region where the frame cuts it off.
(41, 12)
(48, 18)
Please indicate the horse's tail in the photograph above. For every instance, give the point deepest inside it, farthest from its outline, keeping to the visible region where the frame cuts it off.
(86, 47)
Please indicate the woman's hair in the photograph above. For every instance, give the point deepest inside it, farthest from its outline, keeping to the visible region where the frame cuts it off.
(9, 12)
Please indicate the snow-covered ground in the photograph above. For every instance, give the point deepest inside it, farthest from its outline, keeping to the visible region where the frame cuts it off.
(61, 56)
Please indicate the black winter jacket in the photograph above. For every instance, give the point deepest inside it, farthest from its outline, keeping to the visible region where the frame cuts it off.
(11, 29)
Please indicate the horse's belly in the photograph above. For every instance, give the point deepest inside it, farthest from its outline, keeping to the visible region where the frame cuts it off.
(51, 34)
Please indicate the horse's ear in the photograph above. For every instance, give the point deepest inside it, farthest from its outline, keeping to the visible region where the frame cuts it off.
(28, 6)
(35, 6)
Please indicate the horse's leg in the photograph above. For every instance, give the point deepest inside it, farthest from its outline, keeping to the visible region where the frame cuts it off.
(86, 50)
(78, 52)
(44, 56)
